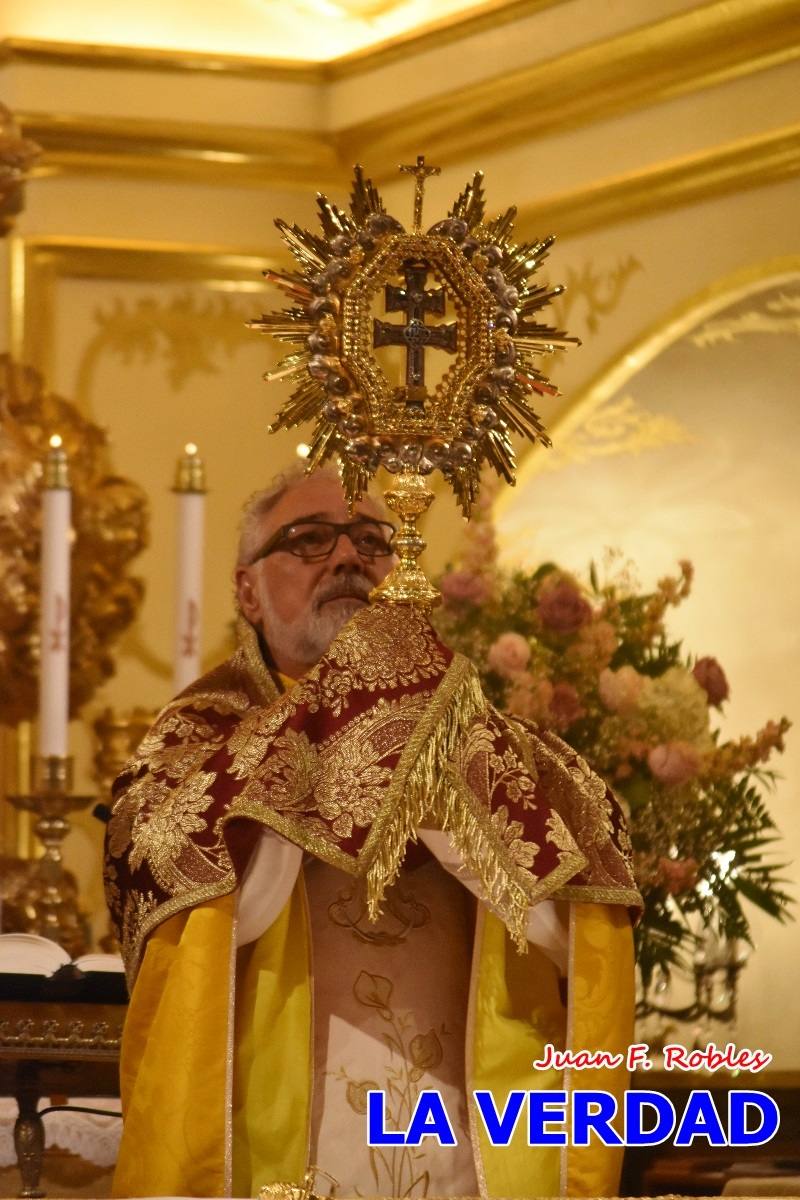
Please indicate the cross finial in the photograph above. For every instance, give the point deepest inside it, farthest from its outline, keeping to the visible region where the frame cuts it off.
(420, 173)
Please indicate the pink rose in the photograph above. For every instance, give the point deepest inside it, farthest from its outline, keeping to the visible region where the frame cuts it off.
(464, 587)
(596, 643)
(509, 654)
(677, 874)
(711, 677)
(529, 697)
(673, 763)
(620, 690)
(565, 705)
(561, 607)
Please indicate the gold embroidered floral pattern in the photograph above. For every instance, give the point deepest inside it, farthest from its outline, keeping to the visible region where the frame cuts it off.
(138, 907)
(184, 724)
(161, 828)
(248, 744)
(591, 815)
(327, 791)
(489, 762)
(558, 834)
(111, 887)
(351, 795)
(386, 730)
(512, 832)
(403, 652)
(403, 649)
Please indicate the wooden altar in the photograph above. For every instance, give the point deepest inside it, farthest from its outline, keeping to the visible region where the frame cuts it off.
(54, 1048)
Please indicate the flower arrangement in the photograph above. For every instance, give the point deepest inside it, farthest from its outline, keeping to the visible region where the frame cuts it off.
(592, 660)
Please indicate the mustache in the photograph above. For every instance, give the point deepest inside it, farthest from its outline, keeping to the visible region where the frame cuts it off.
(352, 586)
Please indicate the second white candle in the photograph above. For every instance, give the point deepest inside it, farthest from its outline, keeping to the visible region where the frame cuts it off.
(55, 589)
(190, 490)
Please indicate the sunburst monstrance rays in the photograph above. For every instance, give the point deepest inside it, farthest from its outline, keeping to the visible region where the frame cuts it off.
(364, 258)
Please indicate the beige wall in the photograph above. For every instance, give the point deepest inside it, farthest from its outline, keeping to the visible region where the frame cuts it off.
(662, 141)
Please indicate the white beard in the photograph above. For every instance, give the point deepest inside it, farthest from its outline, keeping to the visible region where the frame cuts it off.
(308, 642)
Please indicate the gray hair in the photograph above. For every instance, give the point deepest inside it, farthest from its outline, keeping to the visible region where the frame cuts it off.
(257, 506)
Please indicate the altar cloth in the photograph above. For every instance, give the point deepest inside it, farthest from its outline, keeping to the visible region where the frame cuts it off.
(92, 1138)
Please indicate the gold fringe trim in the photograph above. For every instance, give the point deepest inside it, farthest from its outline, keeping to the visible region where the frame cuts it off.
(454, 705)
(427, 784)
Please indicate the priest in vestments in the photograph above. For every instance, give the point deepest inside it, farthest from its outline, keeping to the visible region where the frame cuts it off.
(335, 868)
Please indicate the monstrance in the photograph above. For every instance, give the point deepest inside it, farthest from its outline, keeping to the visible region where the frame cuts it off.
(445, 385)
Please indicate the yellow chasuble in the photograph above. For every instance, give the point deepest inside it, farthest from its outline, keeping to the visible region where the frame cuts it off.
(218, 1050)
(190, 1130)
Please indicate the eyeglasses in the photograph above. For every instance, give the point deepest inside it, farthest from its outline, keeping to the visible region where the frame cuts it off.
(314, 540)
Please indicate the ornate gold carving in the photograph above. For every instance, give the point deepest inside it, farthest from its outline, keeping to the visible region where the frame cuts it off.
(604, 388)
(616, 427)
(184, 330)
(17, 156)
(779, 315)
(56, 1031)
(111, 529)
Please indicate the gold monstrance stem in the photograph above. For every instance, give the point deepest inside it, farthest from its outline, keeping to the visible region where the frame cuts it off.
(406, 583)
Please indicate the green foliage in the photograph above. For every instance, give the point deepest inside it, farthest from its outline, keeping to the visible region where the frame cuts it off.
(595, 664)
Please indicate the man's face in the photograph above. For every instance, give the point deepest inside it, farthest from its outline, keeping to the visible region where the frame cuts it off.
(298, 605)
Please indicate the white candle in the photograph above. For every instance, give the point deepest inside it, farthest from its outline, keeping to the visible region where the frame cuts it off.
(54, 620)
(190, 488)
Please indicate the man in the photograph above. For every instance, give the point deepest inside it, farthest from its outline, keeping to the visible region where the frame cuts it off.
(333, 767)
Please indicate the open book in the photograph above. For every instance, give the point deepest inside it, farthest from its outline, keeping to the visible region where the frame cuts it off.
(29, 954)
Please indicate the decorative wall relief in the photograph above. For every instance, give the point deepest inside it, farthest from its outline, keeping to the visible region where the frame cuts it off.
(618, 426)
(775, 315)
(185, 332)
(110, 520)
(601, 291)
